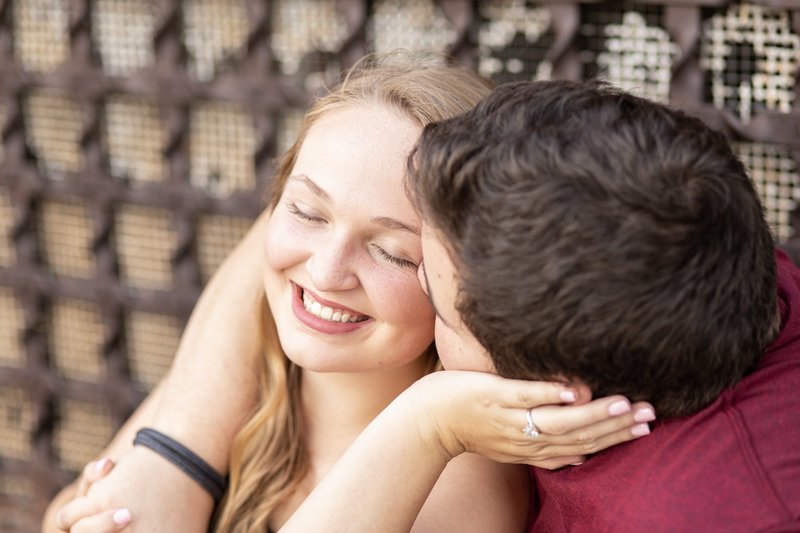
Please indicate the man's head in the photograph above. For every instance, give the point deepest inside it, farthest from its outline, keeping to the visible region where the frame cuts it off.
(600, 237)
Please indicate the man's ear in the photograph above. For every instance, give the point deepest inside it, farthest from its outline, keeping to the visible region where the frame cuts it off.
(582, 390)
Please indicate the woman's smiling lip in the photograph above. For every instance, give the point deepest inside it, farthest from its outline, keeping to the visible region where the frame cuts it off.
(329, 303)
(319, 324)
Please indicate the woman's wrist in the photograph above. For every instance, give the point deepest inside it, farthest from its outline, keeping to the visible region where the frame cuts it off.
(430, 405)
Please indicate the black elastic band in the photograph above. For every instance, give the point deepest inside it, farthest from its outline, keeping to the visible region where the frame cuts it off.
(184, 458)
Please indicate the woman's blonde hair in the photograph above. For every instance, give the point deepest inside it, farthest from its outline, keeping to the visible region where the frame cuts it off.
(269, 458)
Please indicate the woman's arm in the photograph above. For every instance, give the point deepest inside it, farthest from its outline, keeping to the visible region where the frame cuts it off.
(390, 476)
(206, 396)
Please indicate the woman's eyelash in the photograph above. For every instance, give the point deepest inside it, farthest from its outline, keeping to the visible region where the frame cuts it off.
(395, 260)
(403, 263)
(293, 209)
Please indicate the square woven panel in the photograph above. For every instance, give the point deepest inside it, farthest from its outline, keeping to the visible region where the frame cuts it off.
(152, 340)
(54, 128)
(145, 243)
(215, 33)
(65, 238)
(776, 176)
(514, 37)
(12, 323)
(41, 41)
(221, 146)
(81, 432)
(750, 54)
(216, 237)
(626, 44)
(17, 422)
(122, 32)
(135, 137)
(411, 25)
(76, 334)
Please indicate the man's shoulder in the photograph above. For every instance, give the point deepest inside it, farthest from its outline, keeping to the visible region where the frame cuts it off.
(735, 466)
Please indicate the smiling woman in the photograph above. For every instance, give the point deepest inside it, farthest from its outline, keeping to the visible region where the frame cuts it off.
(352, 326)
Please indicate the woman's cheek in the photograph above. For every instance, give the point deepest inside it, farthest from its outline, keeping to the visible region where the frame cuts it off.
(281, 242)
(404, 302)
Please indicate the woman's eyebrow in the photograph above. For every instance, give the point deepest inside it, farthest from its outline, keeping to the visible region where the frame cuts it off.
(316, 189)
(386, 222)
(394, 224)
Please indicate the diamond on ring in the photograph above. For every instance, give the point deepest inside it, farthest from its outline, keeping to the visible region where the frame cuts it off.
(530, 430)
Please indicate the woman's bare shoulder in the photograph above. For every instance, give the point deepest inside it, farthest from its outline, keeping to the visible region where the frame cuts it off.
(477, 494)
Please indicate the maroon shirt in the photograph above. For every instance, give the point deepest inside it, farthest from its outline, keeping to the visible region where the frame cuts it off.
(734, 466)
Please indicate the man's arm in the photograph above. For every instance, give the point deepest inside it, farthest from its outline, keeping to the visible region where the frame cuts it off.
(202, 402)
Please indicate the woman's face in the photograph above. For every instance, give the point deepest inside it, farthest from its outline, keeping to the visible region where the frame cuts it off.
(342, 247)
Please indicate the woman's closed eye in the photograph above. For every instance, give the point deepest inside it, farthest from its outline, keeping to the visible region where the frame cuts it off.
(403, 263)
(299, 213)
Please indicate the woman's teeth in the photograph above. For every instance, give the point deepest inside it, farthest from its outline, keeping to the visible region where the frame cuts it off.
(328, 313)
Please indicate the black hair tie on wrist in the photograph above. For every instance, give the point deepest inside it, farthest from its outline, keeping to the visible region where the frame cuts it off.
(184, 458)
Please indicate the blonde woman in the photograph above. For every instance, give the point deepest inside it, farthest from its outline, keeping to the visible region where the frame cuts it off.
(343, 329)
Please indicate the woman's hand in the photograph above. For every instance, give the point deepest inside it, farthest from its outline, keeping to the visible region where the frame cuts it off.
(83, 514)
(143, 483)
(486, 414)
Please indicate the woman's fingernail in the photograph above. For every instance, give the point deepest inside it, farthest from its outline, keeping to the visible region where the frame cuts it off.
(576, 464)
(121, 517)
(640, 430)
(619, 408)
(567, 396)
(101, 464)
(644, 415)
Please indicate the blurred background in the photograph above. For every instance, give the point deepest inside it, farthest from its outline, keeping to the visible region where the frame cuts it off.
(138, 136)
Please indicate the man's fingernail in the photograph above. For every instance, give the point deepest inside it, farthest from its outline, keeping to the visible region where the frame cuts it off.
(644, 415)
(619, 408)
(567, 396)
(640, 430)
(121, 517)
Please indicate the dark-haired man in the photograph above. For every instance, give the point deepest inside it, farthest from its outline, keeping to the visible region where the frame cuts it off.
(577, 232)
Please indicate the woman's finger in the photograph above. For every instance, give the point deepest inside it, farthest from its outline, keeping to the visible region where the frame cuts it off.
(598, 437)
(105, 522)
(634, 421)
(78, 508)
(528, 394)
(92, 472)
(561, 420)
(554, 463)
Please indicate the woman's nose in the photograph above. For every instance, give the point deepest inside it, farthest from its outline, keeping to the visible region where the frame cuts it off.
(330, 266)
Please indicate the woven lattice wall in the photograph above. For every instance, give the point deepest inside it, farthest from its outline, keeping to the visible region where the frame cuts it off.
(134, 134)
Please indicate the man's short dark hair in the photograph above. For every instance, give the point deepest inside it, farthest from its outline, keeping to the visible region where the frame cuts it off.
(603, 237)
